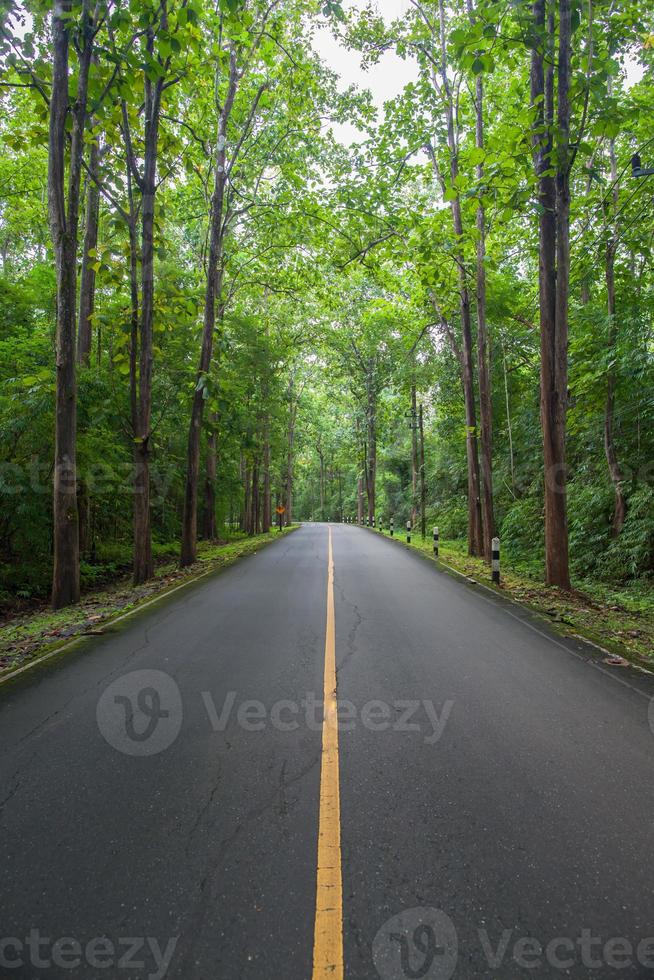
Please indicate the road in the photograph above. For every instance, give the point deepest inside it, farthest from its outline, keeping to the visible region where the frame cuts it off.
(164, 785)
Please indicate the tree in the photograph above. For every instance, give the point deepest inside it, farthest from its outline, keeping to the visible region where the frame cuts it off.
(64, 205)
(552, 169)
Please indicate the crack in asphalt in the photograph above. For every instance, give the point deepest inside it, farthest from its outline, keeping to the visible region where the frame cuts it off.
(201, 907)
(16, 780)
(204, 808)
(351, 637)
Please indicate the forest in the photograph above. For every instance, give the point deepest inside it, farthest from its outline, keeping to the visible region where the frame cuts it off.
(212, 307)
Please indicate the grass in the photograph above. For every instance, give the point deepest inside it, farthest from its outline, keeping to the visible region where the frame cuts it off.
(29, 635)
(619, 619)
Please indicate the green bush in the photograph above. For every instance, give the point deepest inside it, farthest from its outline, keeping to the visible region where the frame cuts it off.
(522, 532)
(631, 555)
(451, 517)
(590, 507)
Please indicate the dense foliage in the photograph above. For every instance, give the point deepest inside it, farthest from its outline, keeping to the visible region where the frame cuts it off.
(262, 315)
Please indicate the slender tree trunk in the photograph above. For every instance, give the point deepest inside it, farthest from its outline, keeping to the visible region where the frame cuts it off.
(475, 534)
(371, 433)
(254, 499)
(414, 456)
(210, 529)
(267, 500)
(64, 222)
(322, 488)
(556, 547)
(554, 198)
(212, 294)
(423, 484)
(84, 512)
(292, 416)
(475, 537)
(247, 488)
(360, 500)
(509, 425)
(615, 470)
(87, 280)
(143, 562)
(483, 352)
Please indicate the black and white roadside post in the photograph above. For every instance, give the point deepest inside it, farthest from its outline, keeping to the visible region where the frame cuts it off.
(373, 522)
(380, 523)
(435, 542)
(408, 532)
(392, 522)
(495, 562)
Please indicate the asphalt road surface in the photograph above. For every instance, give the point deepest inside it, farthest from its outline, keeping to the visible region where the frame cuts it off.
(163, 786)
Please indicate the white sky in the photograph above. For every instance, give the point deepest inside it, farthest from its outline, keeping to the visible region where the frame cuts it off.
(387, 78)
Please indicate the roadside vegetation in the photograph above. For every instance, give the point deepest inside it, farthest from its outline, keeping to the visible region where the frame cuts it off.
(31, 634)
(619, 619)
(211, 308)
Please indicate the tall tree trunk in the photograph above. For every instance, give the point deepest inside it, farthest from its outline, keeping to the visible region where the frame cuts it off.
(371, 438)
(483, 352)
(210, 529)
(87, 279)
(292, 416)
(143, 562)
(475, 534)
(423, 483)
(267, 500)
(360, 500)
(64, 222)
(247, 496)
(322, 486)
(554, 198)
(509, 425)
(84, 514)
(414, 455)
(213, 292)
(254, 500)
(556, 545)
(615, 470)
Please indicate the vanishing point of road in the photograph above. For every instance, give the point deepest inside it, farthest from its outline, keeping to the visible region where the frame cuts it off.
(332, 759)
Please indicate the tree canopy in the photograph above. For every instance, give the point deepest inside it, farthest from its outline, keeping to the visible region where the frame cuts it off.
(210, 307)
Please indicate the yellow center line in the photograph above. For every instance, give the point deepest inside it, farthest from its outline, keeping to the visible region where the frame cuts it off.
(328, 930)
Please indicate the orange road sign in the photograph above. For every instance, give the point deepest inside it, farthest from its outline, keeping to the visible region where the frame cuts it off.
(280, 510)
